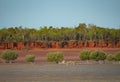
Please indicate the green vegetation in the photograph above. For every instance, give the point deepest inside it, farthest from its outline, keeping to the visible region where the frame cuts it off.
(117, 56)
(30, 58)
(98, 55)
(93, 55)
(82, 32)
(84, 55)
(9, 56)
(55, 56)
(110, 58)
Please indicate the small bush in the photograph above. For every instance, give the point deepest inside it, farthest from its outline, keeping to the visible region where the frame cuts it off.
(84, 55)
(93, 55)
(30, 58)
(110, 58)
(55, 56)
(98, 55)
(9, 55)
(117, 56)
(101, 55)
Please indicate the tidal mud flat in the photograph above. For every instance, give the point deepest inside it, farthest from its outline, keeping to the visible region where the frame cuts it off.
(41, 72)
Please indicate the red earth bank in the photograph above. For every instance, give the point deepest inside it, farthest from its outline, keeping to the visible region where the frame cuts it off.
(57, 44)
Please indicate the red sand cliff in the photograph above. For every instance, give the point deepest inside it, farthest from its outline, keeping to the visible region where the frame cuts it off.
(57, 44)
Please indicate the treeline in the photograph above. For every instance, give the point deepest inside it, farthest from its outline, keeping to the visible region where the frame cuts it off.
(80, 33)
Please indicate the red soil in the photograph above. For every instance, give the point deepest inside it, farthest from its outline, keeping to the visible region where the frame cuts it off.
(69, 54)
(57, 44)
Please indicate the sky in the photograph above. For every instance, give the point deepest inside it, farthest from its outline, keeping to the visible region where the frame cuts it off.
(58, 13)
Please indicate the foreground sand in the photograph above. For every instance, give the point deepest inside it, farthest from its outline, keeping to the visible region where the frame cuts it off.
(41, 72)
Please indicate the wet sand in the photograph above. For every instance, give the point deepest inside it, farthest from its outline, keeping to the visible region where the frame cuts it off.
(41, 72)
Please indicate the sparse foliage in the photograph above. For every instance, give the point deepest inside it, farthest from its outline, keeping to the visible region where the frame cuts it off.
(9, 55)
(84, 55)
(110, 58)
(30, 58)
(55, 56)
(117, 56)
(98, 55)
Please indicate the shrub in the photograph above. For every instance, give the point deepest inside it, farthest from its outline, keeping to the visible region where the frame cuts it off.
(9, 55)
(110, 58)
(30, 58)
(93, 55)
(98, 55)
(101, 55)
(117, 56)
(84, 55)
(54, 56)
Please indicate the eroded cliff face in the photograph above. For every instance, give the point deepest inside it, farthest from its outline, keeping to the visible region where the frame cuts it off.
(57, 44)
